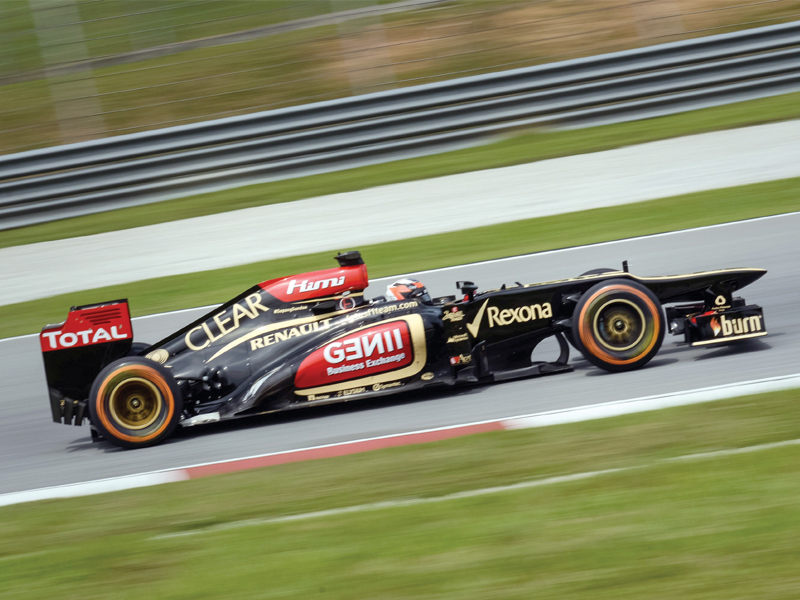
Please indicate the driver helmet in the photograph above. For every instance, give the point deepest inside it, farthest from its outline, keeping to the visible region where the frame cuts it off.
(403, 289)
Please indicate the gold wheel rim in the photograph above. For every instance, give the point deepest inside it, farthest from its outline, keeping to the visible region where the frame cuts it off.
(619, 325)
(135, 403)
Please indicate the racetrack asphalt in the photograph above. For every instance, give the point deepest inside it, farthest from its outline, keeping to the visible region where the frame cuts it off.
(453, 203)
(35, 452)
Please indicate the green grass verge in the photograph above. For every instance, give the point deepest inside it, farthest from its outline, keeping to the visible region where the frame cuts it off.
(524, 148)
(483, 243)
(716, 528)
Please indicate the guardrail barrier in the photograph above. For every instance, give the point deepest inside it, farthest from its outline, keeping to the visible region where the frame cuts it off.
(76, 179)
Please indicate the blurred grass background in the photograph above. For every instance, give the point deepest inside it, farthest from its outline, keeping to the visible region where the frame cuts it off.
(714, 528)
(435, 42)
(122, 26)
(722, 528)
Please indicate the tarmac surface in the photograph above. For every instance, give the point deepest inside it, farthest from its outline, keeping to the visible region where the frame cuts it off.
(453, 203)
(35, 452)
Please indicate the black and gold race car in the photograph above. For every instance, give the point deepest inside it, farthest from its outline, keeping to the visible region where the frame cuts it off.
(311, 339)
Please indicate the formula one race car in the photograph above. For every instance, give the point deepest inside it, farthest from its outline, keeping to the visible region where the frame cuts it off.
(313, 339)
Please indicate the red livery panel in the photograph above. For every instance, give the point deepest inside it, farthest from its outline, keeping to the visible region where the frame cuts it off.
(87, 326)
(318, 284)
(373, 350)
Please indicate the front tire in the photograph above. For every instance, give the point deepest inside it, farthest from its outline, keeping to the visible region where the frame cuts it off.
(599, 271)
(618, 325)
(135, 402)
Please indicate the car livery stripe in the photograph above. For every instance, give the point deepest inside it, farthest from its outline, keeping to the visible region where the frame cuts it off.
(274, 327)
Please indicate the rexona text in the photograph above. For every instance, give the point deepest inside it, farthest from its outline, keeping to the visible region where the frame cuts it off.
(201, 336)
(320, 284)
(523, 314)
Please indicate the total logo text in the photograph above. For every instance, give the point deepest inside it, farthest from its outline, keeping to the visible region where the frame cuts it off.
(59, 340)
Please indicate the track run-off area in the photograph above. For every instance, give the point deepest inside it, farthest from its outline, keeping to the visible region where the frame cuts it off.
(650, 171)
(36, 453)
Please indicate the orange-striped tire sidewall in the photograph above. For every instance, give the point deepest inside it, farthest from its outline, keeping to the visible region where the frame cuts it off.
(585, 328)
(156, 379)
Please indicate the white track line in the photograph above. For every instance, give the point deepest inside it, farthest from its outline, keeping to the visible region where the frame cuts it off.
(486, 262)
(583, 413)
(392, 503)
(734, 451)
(389, 504)
(26, 555)
(90, 488)
(627, 407)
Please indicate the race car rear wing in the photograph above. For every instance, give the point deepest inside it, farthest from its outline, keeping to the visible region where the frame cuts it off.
(76, 350)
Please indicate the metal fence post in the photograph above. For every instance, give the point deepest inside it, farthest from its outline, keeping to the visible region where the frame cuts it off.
(74, 95)
(657, 18)
(366, 58)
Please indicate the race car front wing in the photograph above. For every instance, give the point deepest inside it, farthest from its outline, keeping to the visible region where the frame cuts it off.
(717, 326)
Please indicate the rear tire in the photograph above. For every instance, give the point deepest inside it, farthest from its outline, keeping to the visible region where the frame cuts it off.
(618, 325)
(135, 402)
(138, 348)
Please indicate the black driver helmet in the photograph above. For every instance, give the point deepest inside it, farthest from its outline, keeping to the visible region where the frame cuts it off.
(404, 289)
